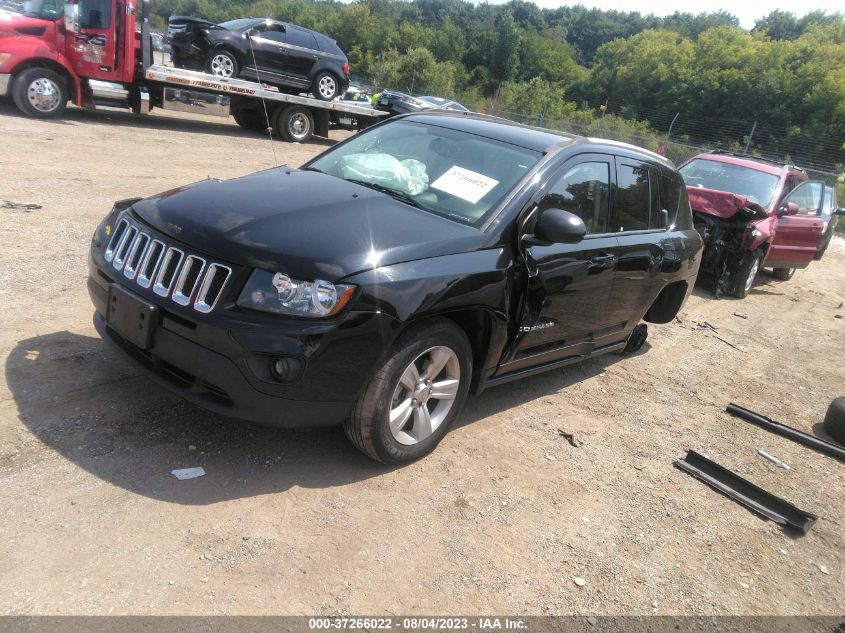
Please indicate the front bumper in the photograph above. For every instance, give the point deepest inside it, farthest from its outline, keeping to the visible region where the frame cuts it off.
(220, 361)
(5, 82)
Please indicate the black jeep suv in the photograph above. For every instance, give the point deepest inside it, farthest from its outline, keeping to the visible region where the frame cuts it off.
(269, 51)
(430, 256)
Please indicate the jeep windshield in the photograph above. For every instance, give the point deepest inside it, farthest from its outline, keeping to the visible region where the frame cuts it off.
(755, 185)
(44, 9)
(455, 174)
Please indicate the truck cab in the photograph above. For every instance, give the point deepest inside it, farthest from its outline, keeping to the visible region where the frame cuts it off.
(84, 51)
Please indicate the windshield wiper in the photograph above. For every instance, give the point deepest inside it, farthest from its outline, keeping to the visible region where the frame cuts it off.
(394, 193)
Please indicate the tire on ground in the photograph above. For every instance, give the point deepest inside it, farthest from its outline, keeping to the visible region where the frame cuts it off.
(252, 119)
(834, 420)
(784, 274)
(41, 93)
(293, 123)
(368, 427)
(750, 267)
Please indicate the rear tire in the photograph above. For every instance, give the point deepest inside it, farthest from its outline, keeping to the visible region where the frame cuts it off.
(251, 119)
(404, 412)
(294, 124)
(326, 86)
(784, 274)
(40, 93)
(747, 273)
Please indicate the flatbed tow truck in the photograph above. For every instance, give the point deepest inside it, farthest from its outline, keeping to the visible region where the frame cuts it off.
(98, 54)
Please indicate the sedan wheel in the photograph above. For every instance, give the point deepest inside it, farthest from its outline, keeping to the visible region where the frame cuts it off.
(411, 402)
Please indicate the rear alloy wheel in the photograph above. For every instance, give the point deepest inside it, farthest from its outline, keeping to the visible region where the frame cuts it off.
(747, 273)
(40, 93)
(784, 274)
(412, 401)
(294, 124)
(326, 86)
(223, 64)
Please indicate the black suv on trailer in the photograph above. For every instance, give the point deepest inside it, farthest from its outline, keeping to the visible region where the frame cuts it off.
(273, 52)
(427, 257)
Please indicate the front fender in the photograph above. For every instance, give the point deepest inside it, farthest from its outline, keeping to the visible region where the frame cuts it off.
(29, 51)
(766, 228)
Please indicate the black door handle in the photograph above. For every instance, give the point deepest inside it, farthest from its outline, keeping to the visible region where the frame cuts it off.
(603, 261)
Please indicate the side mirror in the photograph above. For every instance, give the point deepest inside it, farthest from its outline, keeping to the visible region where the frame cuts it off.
(839, 212)
(72, 18)
(559, 226)
(790, 208)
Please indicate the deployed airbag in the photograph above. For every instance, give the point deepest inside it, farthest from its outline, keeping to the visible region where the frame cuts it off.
(408, 175)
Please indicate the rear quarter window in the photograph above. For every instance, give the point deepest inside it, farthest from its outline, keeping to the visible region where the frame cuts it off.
(327, 45)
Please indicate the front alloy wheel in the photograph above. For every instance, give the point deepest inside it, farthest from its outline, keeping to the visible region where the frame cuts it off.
(223, 64)
(425, 395)
(411, 402)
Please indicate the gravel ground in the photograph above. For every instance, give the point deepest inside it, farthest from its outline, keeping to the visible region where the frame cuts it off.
(505, 516)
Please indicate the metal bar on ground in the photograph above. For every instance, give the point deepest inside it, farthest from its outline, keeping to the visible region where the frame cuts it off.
(746, 493)
(828, 448)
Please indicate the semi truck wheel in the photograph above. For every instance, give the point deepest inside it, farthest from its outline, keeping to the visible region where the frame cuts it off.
(40, 93)
(294, 124)
(251, 119)
(834, 420)
(410, 404)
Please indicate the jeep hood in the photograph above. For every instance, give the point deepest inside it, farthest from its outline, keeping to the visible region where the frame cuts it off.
(723, 204)
(307, 224)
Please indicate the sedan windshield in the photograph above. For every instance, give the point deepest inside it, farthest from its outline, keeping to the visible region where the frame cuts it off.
(454, 174)
(755, 185)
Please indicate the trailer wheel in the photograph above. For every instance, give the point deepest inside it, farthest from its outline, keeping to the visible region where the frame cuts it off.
(250, 119)
(784, 274)
(326, 86)
(40, 93)
(294, 124)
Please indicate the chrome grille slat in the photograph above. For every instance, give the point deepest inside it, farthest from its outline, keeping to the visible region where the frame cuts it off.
(186, 279)
(187, 283)
(150, 262)
(136, 253)
(163, 289)
(115, 238)
(122, 248)
(208, 295)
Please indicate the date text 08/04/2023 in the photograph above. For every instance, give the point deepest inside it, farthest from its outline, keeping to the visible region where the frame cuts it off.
(418, 623)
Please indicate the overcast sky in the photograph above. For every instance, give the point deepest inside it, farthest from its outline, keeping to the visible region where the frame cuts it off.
(748, 11)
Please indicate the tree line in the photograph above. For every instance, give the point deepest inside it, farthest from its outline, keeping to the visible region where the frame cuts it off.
(787, 73)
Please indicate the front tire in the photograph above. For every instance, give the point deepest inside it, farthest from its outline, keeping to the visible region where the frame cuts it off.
(747, 273)
(40, 93)
(411, 403)
(784, 274)
(326, 86)
(223, 64)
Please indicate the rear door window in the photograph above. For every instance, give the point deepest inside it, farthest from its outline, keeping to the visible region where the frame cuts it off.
(636, 197)
(301, 38)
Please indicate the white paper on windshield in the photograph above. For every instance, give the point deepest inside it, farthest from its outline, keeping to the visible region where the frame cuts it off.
(465, 184)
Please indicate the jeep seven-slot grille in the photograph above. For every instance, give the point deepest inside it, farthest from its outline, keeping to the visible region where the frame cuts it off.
(185, 278)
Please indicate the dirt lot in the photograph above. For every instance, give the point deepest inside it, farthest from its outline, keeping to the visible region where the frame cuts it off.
(500, 519)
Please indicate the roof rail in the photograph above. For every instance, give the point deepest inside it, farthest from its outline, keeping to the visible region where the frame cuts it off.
(726, 152)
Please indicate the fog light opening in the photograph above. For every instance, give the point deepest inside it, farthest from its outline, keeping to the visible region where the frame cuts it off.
(285, 368)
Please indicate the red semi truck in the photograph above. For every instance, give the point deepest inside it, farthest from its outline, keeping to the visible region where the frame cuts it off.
(98, 53)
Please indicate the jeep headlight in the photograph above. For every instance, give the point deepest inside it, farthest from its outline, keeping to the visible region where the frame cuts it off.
(283, 294)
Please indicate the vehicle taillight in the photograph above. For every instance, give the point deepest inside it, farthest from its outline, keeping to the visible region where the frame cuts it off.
(346, 68)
